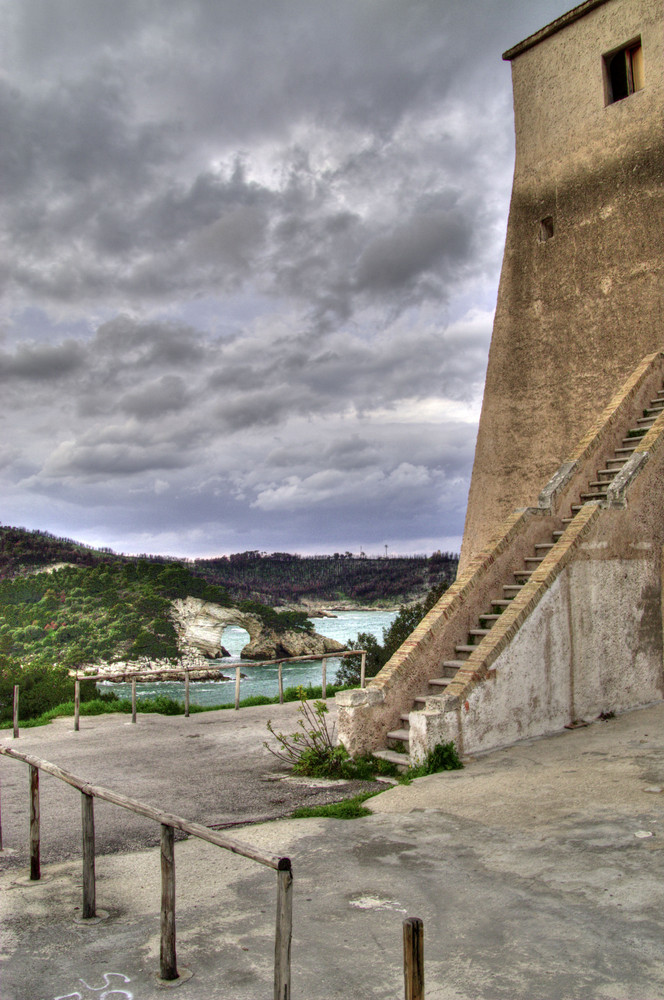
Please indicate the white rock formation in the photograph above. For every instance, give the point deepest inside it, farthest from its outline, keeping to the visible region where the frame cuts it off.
(200, 626)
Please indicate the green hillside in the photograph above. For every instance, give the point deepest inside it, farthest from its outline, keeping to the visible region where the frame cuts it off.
(107, 612)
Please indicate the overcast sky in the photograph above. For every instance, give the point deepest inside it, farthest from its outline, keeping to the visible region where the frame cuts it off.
(250, 255)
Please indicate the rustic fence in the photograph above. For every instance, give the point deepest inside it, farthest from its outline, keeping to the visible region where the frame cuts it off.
(169, 823)
(184, 674)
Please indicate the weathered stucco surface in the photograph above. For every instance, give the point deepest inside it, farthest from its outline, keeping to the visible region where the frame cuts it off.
(575, 311)
(592, 645)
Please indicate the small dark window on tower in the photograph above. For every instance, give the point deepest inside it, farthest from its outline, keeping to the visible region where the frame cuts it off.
(546, 229)
(624, 72)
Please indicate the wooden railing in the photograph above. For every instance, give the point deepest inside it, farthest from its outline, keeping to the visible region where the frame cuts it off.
(180, 672)
(169, 823)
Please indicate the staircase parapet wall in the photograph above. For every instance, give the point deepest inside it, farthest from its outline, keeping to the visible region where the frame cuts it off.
(478, 665)
(366, 716)
(650, 445)
(597, 445)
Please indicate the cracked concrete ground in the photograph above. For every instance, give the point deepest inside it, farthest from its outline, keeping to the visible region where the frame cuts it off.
(538, 871)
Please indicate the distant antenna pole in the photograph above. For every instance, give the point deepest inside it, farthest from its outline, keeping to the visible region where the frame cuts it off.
(386, 551)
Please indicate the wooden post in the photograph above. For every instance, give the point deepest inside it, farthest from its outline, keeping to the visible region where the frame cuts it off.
(237, 688)
(88, 837)
(168, 966)
(413, 958)
(186, 694)
(77, 705)
(324, 679)
(15, 711)
(133, 699)
(282, 944)
(35, 869)
(280, 669)
(363, 670)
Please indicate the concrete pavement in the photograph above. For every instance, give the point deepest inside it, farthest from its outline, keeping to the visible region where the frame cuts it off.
(538, 872)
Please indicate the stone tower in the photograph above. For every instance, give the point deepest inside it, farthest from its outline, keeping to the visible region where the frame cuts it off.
(581, 295)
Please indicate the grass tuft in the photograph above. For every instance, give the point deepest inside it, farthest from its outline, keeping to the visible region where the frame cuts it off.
(346, 809)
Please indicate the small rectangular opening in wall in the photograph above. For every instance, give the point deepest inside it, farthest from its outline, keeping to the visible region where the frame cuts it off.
(624, 72)
(546, 228)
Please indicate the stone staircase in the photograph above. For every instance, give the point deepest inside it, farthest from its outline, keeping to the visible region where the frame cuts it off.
(398, 739)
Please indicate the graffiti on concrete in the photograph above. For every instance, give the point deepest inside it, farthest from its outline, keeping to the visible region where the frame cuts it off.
(106, 991)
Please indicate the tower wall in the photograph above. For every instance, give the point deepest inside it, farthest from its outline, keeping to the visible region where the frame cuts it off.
(578, 308)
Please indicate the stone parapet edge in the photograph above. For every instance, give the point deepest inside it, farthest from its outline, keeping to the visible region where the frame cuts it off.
(550, 29)
(478, 665)
(597, 435)
(649, 445)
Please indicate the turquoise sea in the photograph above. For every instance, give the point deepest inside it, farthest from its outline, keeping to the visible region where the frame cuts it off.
(263, 680)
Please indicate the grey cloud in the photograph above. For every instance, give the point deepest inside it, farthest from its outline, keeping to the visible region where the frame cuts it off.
(319, 189)
(420, 244)
(151, 400)
(108, 460)
(263, 408)
(42, 361)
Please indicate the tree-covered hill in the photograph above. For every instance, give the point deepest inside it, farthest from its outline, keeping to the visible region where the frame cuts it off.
(23, 551)
(273, 579)
(283, 578)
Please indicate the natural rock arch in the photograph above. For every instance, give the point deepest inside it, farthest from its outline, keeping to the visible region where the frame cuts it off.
(200, 625)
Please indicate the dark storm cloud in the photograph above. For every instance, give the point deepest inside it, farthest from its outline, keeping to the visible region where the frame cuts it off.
(156, 398)
(249, 253)
(422, 242)
(42, 361)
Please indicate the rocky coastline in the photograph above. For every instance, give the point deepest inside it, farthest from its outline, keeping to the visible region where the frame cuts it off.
(121, 671)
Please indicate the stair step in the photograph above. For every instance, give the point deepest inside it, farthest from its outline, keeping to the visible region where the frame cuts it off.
(615, 461)
(465, 648)
(511, 587)
(401, 735)
(559, 534)
(501, 602)
(626, 451)
(535, 559)
(593, 496)
(440, 681)
(603, 483)
(404, 716)
(576, 507)
(523, 572)
(632, 439)
(420, 702)
(453, 664)
(646, 420)
(402, 760)
(489, 618)
(544, 545)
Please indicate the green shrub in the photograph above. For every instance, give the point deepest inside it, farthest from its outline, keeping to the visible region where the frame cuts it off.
(312, 750)
(443, 757)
